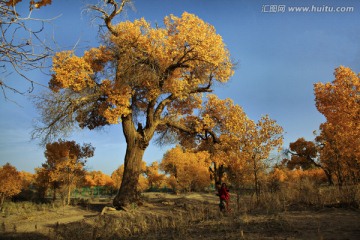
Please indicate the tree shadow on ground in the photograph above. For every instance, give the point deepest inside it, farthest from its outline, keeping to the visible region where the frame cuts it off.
(23, 236)
(73, 230)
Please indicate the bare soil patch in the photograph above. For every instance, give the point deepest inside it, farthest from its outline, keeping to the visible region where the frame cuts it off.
(190, 216)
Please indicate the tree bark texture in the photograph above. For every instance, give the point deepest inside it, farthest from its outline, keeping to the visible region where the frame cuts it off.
(128, 192)
(136, 145)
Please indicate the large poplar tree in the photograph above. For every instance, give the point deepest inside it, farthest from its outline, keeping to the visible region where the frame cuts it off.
(339, 139)
(150, 79)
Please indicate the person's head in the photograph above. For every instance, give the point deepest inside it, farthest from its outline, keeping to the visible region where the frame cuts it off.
(223, 185)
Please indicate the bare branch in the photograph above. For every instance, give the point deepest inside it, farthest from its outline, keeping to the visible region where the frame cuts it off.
(190, 131)
(108, 16)
(22, 48)
(60, 112)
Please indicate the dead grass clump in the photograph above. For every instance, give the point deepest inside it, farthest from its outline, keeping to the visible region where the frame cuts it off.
(345, 196)
(24, 208)
(138, 223)
(301, 195)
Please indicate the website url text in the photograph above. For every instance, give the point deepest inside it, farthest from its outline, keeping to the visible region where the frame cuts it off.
(307, 9)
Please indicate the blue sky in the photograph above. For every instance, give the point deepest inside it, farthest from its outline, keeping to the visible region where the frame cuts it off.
(279, 55)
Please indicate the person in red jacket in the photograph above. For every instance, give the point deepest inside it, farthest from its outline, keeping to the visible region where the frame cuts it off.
(223, 193)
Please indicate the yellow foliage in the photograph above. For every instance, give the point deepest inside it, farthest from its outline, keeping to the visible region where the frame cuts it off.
(117, 104)
(71, 72)
(189, 169)
(177, 60)
(156, 75)
(339, 102)
(245, 145)
(64, 166)
(230, 118)
(277, 175)
(97, 58)
(143, 183)
(316, 175)
(27, 179)
(117, 175)
(10, 182)
(155, 179)
(37, 4)
(97, 178)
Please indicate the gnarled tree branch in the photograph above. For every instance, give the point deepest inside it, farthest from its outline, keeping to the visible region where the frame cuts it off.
(108, 17)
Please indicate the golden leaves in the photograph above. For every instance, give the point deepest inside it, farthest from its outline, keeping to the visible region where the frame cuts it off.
(185, 106)
(97, 178)
(155, 179)
(41, 3)
(267, 135)
(292, 177)
(189, 169)
(12, 2)
(340, 99)
(183, 54)
(243, 144)
(97, 58)
(117, 176)
(225, 115)
(141, 64)
(71, 72)
(38, 4)
(27, 179)
(191, 38)
(10, 181)
(339, 102)
(117, 104)
(66, 158)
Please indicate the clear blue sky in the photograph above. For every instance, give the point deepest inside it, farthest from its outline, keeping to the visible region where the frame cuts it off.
(280, 55)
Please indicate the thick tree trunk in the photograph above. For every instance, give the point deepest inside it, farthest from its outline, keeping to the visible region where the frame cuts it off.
(137, 141)
(128, 192)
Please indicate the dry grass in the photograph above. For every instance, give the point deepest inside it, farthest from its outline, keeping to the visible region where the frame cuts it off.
(299, 212)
